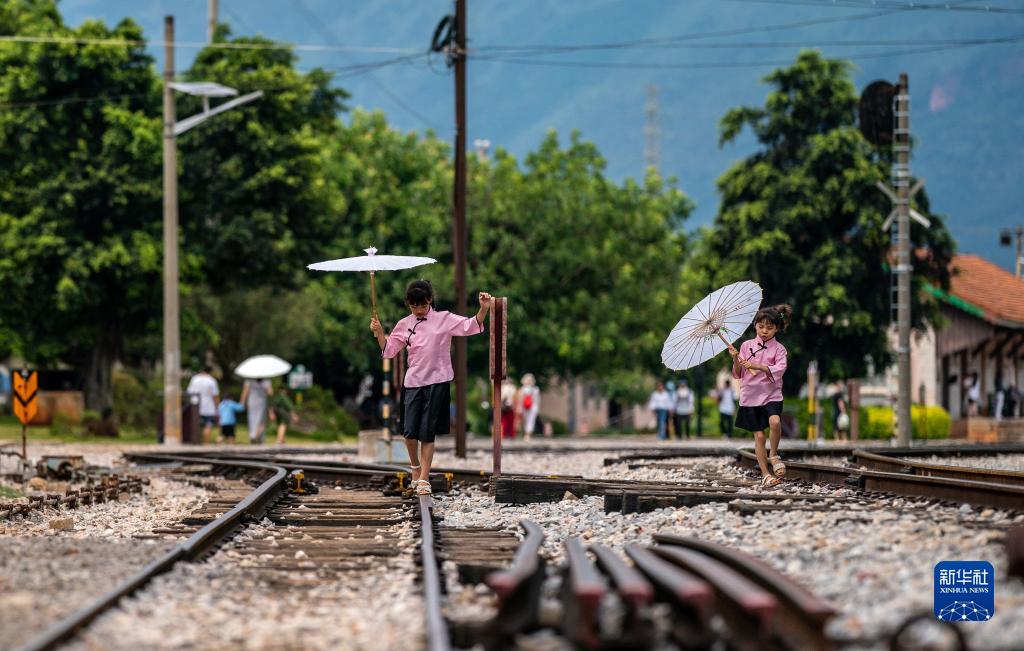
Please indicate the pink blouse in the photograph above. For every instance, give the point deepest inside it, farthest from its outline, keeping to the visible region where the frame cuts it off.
(429, 339)
(760, 388)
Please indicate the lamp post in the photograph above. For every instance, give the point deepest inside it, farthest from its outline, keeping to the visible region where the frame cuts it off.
(173, 129)
(1006, 237)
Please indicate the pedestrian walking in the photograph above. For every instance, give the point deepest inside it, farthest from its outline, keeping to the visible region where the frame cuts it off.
(683, 409)
(282, 410)
(973, 386)
(226, 411)
(255, 396)
(661, 403)
(426, 397)
(840, 416)
(726, 409)
(508, 409)
(759, 365)
(529, 404)
(204, 385)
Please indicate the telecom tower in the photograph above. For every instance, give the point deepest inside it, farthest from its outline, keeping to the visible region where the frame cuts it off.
(652, 130)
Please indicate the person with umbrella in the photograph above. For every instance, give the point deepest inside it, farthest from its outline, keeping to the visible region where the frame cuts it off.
(759, 365)
(257, 390)
(427, 333)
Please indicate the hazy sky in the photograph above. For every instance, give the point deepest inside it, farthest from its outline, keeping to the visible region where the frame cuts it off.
(966, 106)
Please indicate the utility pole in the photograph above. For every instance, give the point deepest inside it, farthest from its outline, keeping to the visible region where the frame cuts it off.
(652, 130)
(211, 20)
(901, 179)
(172, 341)
(1006, 237)
(459, 223)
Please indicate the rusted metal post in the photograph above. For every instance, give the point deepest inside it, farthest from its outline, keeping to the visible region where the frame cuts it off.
(853, 404)
(498, 371)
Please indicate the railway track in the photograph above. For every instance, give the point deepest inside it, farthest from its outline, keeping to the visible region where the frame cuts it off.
(324, 534)
(992, 488)
(684, 591)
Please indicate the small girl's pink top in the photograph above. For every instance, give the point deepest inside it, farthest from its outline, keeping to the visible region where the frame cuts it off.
(429, 339)
(760, 388)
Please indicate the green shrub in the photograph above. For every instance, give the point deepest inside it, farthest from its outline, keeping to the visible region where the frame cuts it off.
(558, 428)
(138, 404)
(321, 418)
(60, 426)
(930, 422)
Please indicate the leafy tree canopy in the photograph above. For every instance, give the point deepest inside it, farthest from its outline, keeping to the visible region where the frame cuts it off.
(803, 217)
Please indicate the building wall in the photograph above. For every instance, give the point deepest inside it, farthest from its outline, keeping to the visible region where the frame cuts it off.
(591, 408)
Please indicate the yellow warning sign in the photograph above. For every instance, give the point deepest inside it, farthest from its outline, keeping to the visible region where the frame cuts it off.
(25, 395)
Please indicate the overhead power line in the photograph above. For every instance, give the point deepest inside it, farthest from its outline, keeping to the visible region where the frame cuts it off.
(731, 64)
(317, 23)
(118, 42)
(901, 5)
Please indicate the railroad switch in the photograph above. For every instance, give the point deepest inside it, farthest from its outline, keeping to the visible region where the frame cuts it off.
(297, 484)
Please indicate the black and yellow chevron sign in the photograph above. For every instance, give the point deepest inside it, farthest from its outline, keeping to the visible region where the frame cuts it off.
(25, 395)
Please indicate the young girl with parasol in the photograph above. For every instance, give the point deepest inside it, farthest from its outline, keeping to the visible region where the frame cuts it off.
(427, 333)
(759, 365)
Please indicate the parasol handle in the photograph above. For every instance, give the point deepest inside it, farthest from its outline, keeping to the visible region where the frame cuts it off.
(373, 294)
(728, 345)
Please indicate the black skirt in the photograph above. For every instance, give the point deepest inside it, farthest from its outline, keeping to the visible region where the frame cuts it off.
(755, 419)
(426, 411)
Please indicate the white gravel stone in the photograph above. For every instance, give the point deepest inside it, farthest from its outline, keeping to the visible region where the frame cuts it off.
(873, 561)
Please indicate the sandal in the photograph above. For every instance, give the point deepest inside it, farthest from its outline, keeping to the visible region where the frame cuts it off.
(768, 481)
(423, 488)
(778, 467)
(412, 475)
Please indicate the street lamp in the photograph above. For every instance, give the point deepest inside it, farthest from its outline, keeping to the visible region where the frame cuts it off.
(1006, 237)
(173, 129)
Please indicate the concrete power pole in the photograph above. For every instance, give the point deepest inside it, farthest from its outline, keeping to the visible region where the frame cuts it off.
(172, 341)
(211, 20)
(652, 130)
(459, 223)
(1006, 237)
(899, 221)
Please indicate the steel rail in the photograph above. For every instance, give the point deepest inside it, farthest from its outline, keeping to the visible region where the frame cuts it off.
(891, 463)
(438, 637)
(192, 549)
(803, 616)
(1002, 496)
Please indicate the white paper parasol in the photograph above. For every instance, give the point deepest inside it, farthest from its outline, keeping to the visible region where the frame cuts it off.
(372, 262)
(262, 366)
(711, 325)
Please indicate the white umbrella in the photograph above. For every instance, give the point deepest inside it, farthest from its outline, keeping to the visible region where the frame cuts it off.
(372, 262)
(262, 366)
(711, 325)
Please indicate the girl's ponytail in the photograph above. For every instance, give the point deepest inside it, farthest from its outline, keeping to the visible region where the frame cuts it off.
(786, 314)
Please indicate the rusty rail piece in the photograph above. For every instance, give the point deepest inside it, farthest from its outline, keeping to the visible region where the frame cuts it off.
(518, 589)
(441, 479)
(636, 593)
(1015, 551)
(885, 462)
(194, 548)
(438, 637)
(107, 488)
(583, 588)
(802, 617)
(690, 596)
(747, 607)
(1002, 496)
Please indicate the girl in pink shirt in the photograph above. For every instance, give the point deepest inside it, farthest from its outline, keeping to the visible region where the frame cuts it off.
(426, 397)
(759, 365)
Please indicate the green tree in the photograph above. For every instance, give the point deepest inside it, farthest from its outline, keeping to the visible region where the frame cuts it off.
(591, 268)
(79, 192)
(397, 192)
(256, 206)
(803, 218)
